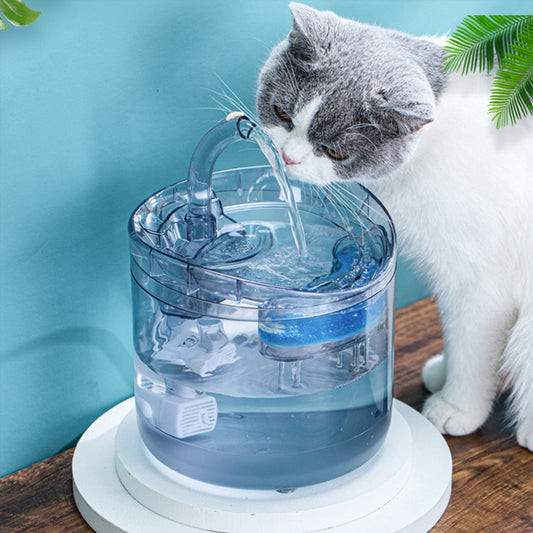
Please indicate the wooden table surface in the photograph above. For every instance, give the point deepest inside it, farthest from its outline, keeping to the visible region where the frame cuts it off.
(492, 476)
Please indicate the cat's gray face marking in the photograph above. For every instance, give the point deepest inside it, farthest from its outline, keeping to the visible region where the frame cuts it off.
(343, 100)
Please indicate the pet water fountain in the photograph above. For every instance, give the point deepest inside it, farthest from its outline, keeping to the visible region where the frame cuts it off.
(264, 366)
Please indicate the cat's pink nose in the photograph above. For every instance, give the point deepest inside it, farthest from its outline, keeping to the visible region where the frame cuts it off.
(288, 160)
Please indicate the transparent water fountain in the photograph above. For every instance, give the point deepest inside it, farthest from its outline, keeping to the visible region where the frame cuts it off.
(263, 335)
(263, 358)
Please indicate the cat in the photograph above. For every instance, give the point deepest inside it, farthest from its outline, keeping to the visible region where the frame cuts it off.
(343, 100)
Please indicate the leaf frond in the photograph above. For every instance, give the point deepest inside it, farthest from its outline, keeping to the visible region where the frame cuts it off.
(512, 91)
(479, 38)
(17, 12)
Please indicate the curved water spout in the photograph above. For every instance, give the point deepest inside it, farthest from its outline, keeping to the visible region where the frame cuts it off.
(200, 219)
(201, 222)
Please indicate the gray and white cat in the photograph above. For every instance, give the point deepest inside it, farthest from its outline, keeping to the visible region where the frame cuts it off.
(348, 101)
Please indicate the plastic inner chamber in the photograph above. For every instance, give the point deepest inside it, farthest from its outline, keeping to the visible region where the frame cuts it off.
(259, 366)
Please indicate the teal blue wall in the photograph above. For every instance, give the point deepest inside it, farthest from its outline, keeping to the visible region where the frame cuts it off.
(101, 103)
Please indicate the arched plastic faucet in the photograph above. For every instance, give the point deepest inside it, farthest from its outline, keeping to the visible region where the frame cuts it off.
(200, 219)
(203, 209)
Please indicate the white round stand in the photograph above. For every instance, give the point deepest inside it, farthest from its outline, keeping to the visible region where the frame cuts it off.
(120, 486)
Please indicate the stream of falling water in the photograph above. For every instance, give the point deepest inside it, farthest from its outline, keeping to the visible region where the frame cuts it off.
(273, 157)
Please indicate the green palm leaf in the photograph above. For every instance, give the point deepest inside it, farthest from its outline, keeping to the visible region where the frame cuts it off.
(473, 44)
(17, 13)
(512, 91)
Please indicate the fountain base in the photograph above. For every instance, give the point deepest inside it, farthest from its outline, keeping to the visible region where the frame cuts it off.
(120, 486)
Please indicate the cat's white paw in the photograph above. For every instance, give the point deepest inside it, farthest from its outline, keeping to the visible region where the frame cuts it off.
(448, 418)
(524, 436)
(434, 373)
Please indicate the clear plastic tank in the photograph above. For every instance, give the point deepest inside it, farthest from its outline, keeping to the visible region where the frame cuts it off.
(257, 367)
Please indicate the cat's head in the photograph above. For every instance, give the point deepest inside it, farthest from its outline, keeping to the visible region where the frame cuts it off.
(344, 100)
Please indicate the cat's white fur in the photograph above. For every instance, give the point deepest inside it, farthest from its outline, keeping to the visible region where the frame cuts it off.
(297, 148)
(463, 210)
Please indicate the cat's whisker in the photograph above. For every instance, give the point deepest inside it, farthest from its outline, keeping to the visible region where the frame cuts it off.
(292, 78)
(344, 203)
(363, 220)
(234, 99)
(326, 191)
(320, 191)
(338, 205)
(362, 217)
(221, 105)
(364, 125)
(267, 46)
(357, 199)
(206, 108)
(226, 102)
(352, 210)
(355, 134)
(233, 104)
(323, 190)
(232, 96)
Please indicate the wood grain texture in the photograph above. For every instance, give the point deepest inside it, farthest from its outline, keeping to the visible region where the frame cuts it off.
(39, 498)
(492, 479)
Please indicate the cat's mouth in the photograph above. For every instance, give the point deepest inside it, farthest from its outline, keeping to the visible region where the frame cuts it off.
(298, 158)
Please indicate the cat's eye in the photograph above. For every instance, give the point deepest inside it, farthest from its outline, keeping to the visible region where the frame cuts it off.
(334, 155)
(282, 115)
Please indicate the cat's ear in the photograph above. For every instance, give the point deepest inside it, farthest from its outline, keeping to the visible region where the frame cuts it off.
(305, 34)
(405, 108)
